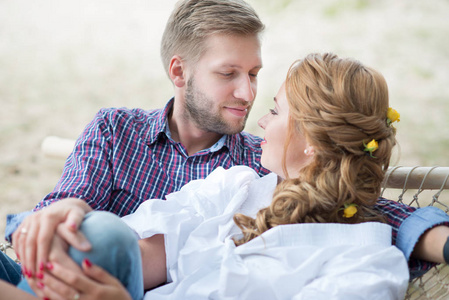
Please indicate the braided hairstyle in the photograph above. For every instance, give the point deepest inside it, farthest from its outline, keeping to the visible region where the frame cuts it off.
(338, 105)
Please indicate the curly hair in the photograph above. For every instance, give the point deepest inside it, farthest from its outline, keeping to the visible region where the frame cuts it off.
(338, 105)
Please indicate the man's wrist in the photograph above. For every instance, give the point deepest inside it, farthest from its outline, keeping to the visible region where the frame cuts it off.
(13, 221)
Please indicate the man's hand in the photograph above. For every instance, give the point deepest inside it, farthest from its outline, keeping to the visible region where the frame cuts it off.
(33, 238)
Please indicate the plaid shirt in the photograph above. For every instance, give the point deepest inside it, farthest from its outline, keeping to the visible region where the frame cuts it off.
(125, 157)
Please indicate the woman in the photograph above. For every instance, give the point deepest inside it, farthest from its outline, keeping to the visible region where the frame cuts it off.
(235, 235)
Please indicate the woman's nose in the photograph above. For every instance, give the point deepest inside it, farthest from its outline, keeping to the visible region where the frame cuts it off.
(262, 122)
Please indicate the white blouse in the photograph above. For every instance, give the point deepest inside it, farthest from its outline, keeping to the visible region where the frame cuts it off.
(298, 261)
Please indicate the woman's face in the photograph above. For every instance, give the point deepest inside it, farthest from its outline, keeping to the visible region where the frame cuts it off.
(275, 124)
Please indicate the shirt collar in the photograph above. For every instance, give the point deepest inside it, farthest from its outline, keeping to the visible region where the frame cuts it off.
(234, 145)
(160, 124)
(232, 142)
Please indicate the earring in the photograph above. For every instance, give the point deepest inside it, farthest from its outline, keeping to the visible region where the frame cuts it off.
(309, 151)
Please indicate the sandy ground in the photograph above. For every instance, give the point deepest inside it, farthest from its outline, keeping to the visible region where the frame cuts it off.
(61, 61)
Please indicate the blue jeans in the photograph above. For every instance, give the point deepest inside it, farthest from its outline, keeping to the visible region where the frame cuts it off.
(114, 248)
(10, 271)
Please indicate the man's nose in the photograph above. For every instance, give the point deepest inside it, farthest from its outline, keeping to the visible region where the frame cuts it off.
(246, 90)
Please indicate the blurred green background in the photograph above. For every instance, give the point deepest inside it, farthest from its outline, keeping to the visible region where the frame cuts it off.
(61, 61)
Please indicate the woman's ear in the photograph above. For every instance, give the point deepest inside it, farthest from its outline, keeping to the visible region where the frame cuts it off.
(176, 71)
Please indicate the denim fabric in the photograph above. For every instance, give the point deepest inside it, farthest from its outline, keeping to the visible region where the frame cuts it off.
(114, 248)
(414, 227)
(13, 221)
(10, 271)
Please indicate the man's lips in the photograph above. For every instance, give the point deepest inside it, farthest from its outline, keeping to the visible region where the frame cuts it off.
(238, 111)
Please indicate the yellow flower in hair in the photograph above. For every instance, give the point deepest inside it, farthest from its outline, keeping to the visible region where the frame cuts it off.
(371, 147)
(392, 116)
(350, 210)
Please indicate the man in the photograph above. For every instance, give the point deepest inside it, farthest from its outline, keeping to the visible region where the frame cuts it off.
(211, 52)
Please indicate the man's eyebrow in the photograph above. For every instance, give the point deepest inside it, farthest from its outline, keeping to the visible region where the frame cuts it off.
(239, 67)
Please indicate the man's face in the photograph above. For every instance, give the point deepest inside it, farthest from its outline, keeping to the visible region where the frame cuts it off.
(221, 89)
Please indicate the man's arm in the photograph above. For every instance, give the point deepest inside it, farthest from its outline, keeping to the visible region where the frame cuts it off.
(431, 244)
(86, 174)
(415, 232)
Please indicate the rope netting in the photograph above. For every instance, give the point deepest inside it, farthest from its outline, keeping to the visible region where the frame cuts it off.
(422, 186)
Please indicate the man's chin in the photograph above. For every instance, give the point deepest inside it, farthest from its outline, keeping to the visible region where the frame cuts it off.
(228, 128)
(234, 129)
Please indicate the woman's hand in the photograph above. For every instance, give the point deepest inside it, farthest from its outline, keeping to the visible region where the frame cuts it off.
(33, 238)
(93, 283)
(58, 254)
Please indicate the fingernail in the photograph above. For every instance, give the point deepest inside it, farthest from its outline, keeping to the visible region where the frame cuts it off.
(73, 225)
(30, 274)
(40, 285)
(49, 266)
(41, 266)
(45, 298)
(87, 262)
(40, 275)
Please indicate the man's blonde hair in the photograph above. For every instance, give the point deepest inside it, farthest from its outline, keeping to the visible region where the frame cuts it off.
(192, 21)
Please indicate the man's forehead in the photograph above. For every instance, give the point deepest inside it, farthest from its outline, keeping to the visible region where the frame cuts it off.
(233, 50)
(232, 56)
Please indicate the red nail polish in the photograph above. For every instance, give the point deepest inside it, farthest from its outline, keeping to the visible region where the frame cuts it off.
(41, 266)
(40, 285)
(40, 275)
(45, 298)
(18, 256)
(73, 226)
(49, 266)
(87, 262)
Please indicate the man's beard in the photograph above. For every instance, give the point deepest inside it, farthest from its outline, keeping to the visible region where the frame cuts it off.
(204, 112)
